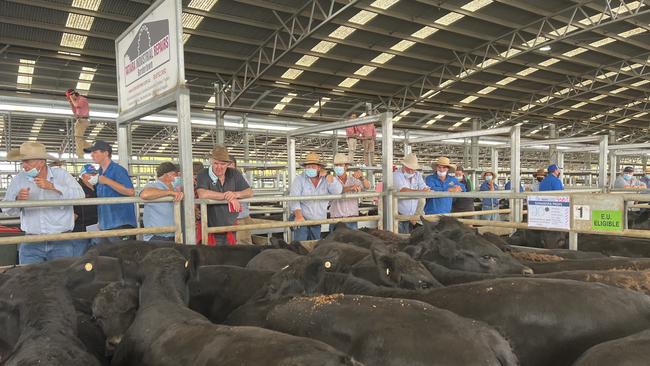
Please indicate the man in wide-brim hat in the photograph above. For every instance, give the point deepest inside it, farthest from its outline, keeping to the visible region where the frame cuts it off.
(538, 177)
(442, 181)
(352, 183)
(408, 179)
(221, 183)
(37, 181)
(314, 181)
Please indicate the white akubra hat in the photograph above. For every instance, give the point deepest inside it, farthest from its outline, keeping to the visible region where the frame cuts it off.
(341, 158)
(411, 161)
(30, 151)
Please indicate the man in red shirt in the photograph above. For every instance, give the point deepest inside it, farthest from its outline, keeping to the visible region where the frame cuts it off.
(352, 134)
(367, 134)
(81, 111)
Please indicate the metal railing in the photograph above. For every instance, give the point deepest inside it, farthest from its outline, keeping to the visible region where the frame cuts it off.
(176, 228)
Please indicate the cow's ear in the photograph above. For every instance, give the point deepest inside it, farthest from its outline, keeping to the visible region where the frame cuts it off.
(192, 265)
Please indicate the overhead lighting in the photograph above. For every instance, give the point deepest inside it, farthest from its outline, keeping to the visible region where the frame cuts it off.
(535, 41)
(73, 40)
(487, 90)
(82, 85)
(575, 52)
(509, 53)
(527, 71)
(68, 53)
(205, 5)
(382, 58)
(606, 75)
(342, 32)
(563, 91)
(362, 17)
(449, 18)
(291, 74)
(545, 48)
(640, 114)
(348, 82)
(466, 119)
(186, 37)
(446, 83)
(631, 67)
(563, 31)
(283, 103)
(323, 46)
(476, 5)
(191, 21)
(402, 45)
(306, 60)
(627, 7)
(533, 132)
(561, 112)
(365, 70)
(317, 105)
(424, 32)
(616, 91)
(584, 83)
(469, 99)
(594, 19)
(602, 42)
(506, 81)
(79, 21)
(549, 62)
(25, 70)
(87, 4)
(383, 4)
(632, 32)
(578, 105)
(623, 120)
(642, 82)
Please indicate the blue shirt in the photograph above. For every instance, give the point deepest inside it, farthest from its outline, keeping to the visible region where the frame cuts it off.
(157, 214)
(408, 207)
(441, 205)
(45, 220)
(551, 183)
(311, 209)
(113, 216)
(489, 202)
(509, 186)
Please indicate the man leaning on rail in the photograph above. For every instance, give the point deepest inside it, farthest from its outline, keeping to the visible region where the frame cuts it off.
(408, 179)
(38, 182)
(156, 214)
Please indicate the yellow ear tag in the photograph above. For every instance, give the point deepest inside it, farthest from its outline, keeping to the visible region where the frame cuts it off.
(387, 272)
(328, 264)
(88, 267)
(187, 264)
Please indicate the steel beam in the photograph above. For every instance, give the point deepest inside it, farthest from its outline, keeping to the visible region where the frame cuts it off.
(387, 168)
(515, 173)
(460, 135)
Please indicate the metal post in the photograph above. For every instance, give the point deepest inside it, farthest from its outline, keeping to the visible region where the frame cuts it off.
(335, 143)
(407, 145)
(387, 166)
(474, 147)
(291, 160)
(178, 222)
(185, 158)
(123, 144)
(552, 149)
(246, 139)
(495, 161)
(8, 132)
(602, 163)
(612, 160)
(219, 100)
(573, 240)
(560, 163)
(204, 224)
(515, 178)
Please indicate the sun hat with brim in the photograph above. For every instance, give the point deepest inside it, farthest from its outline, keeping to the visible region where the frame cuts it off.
(443, 161)
(341, 158)
(411, 161)
(220, 153)
(539, 173)
(30, 151)
(647, 170)
(486, 173)
(312, 158)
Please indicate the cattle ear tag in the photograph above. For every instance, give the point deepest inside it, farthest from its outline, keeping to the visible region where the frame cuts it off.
(328, 264)
(387, 271)
(187, 264)
(88, 267)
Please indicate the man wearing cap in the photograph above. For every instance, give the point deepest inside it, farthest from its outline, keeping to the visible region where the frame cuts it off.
(81, 112)
(408, 179)
(112, 180)
(85, 215)
(221, 183)
(538, 177)
(551, 182)
(442, 181)
(168, 184)
(314, 181)
(627, 180)
(36, 182)
(351, 183)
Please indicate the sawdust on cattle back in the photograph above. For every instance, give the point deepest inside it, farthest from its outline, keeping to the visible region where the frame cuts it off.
(321, 300)
(536, 257)
(632, 280)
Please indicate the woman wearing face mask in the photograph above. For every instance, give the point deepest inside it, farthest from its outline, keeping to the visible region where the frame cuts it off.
(628, 180)
(159, 214)
(443, 180)
(464, 204)
(490, 184)
(351, 184)
(85, 216)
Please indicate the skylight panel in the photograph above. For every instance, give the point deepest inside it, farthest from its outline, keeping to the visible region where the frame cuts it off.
(205, 5)
(476, 5)
(602, 42)
(627, 7)
(87, 4)
(424, 32)
(527, 71)
(365, 70)
(73, 40)
(640, 114)
(449, 18)
(191, 21)
(623, 120)
(561, 112)
(575, 52)
(383, 4)
(535, 41)
(563, 91)
(487, 90)
(563, 30)
(382, 58)
(291, 74)
(317, 105)
(402, 45)
(642, 82)
(342, 32)
(82, 85)
(348, 82)
(506, 81)
(283, 103)
(363, 17)
(186, 37)
(466, 119)
(509, 53)
(323, 46)
(632, 32)
(306, 60)
(606, 75)
(594, 19)
(549, 62)
(79, 21)
(469, 99)
(631, 67)
(578, 105)
(487, 63)
(447, 83)
(24, 80)
(616, 91)
(533, 132)
(585, 83)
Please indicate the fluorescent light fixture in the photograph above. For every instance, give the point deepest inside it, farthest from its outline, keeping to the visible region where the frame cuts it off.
(563, 31)
(365, 70)
(487, 63)
(82, 85)
(575, 52)
(457, 124)
(73, 40)
(79, 21)
(362, 17)
(616, 91)
(487, 90)
(506, 81)
(449, 18)
(549, 62)
(545, 48)
(87, 4)
(561, 112)
(402, 45)
(191, 21)
(602, 42)
(342, 32)
(632, 32)
(509, 53)
(533, 132)
(291, 74)
(578, 105)
(424, 32)
(640, 114)
(476, 5)
(623, 120)
(469, 99)
(68, 53)
(642, 82)
(606, 75)
(205, 5)
(466, 119)
(382, 58)
(383, 4)
(594, 19)
(527, 71)
(348, 82)
(323, 46)
(306, 60)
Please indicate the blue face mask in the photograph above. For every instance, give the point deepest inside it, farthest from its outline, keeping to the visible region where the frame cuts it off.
(32, 173)
(627, 176)
(339, 170)
(311, 172)
(647, 176)
(488, 178)
(178, 181)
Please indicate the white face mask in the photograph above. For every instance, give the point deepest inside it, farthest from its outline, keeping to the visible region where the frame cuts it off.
(442, 174)
(94, 179)
(409, 175)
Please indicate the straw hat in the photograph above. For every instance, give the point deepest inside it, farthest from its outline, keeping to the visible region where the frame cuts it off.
(30, 150)
(647, 170)
(411, 161)
(312, 158)
(540, 173)
(220, 153)
(487, 172)
(341, 158)
(444, 161)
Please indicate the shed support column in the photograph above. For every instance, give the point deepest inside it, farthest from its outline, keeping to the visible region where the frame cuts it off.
(560, 163)
(515, 177)
(123, 145)
(387, 168)
(185, 158)
(495, 161)
(474, 148)
(552, 149)
(602, 163)
(249, 173)
(219, 100)
(613, 161)
(407, 145)
(291, 160)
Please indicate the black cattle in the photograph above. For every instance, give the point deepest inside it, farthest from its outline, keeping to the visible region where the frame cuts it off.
(120, 301)
(627, 351)
(392, 332)
(272, 260)
(166, 332)
(342, 255)
(343, 234)
(561, 253)
(539, 239)
(596, 264)
(615, 246)
(455, 246)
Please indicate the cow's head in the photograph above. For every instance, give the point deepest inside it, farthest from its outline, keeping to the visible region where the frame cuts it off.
(301, 277)
(114, 308)
(400, 270)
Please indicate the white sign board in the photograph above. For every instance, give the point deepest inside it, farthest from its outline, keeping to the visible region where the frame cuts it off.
(551, 212)
(149, 57)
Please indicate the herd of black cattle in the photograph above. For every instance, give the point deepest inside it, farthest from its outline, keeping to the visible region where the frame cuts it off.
(445, 296)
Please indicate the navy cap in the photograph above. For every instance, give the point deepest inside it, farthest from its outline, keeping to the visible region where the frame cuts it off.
(628, 169)
(88, 169)
(552, 168)
(99, 145)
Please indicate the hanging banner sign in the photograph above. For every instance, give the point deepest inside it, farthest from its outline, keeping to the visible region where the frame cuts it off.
(551, 212)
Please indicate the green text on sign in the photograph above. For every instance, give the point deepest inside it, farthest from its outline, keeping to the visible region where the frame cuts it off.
(607, 220)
